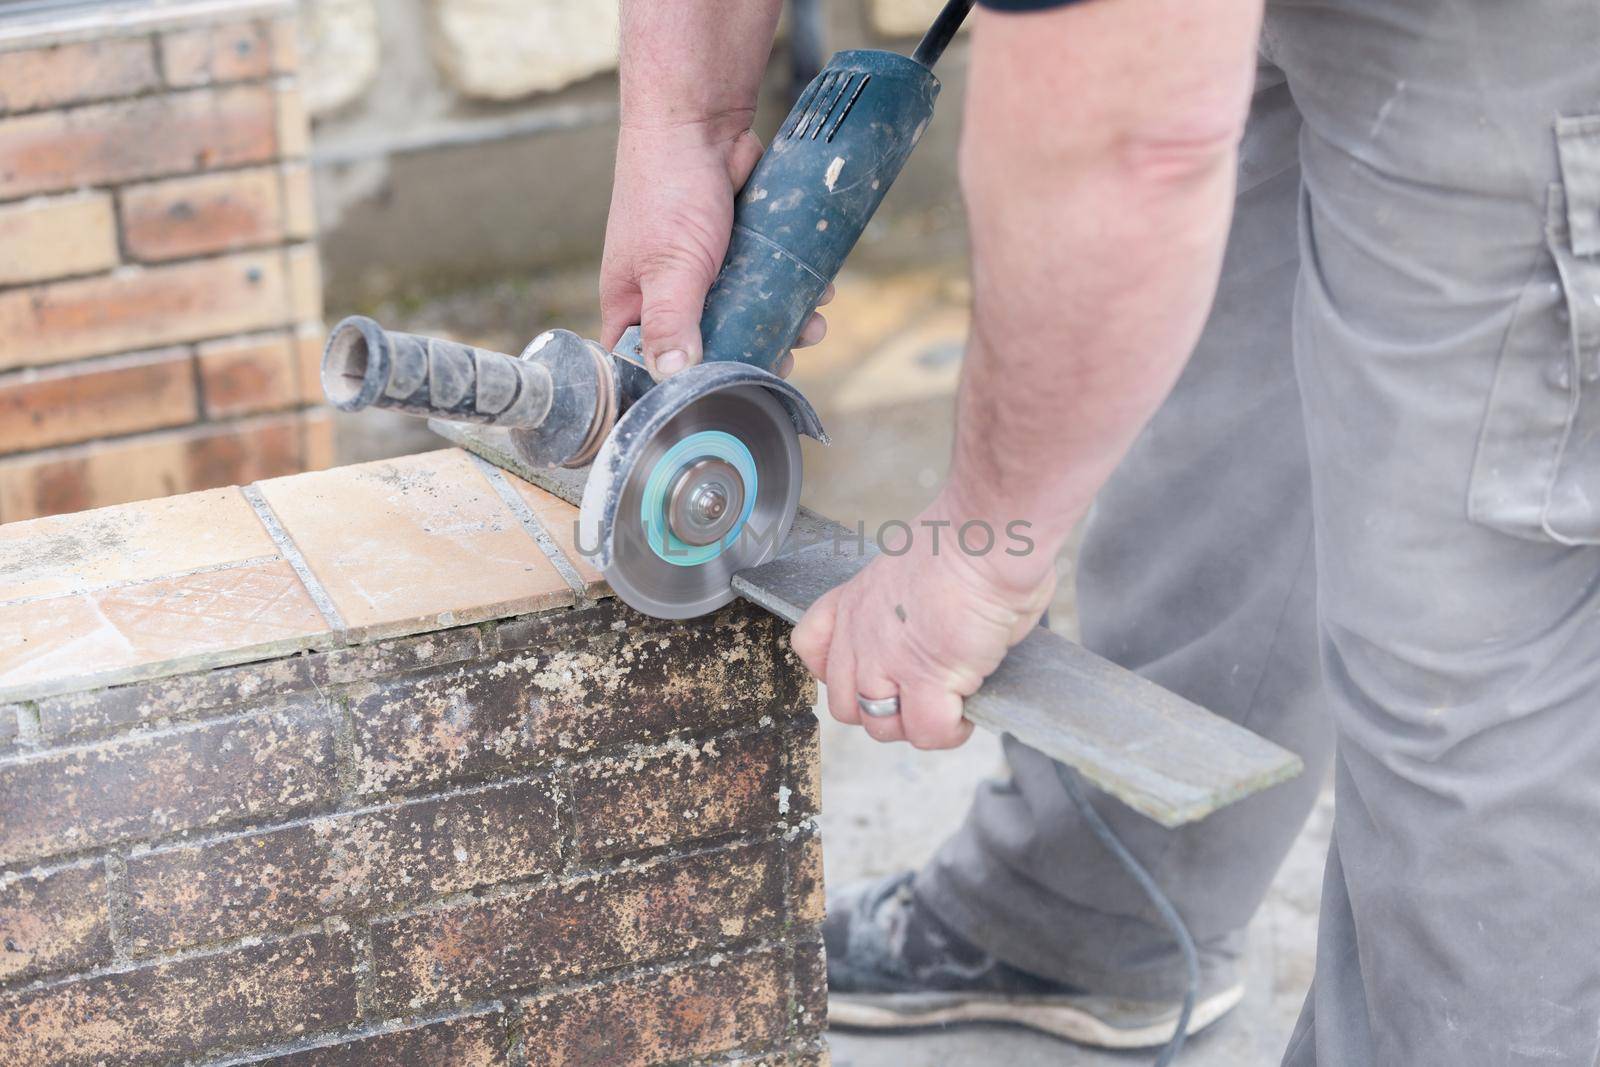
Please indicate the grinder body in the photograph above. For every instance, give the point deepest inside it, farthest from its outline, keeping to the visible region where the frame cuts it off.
(728, 426)
(810, 197)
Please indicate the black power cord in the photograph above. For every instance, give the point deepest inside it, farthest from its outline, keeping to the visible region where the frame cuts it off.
(941, 32)
(1158, 899)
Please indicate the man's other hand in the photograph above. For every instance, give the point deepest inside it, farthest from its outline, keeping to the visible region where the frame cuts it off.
(927, 626)
(671, 217)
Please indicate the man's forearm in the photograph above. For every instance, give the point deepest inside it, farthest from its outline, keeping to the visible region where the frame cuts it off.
(1099, 189)
(694, 63)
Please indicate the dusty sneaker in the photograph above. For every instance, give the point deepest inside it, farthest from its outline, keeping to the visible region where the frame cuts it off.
(892, 965)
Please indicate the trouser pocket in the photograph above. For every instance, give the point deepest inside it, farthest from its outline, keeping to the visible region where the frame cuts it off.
(1537, 471)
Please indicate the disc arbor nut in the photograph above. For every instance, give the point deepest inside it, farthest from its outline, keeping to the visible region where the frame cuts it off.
(705, 501)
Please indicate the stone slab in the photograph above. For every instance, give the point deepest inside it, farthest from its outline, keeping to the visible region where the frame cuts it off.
(129, 543)
(414, 543)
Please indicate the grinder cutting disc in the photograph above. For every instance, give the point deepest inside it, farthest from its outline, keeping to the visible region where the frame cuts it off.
(699, 480)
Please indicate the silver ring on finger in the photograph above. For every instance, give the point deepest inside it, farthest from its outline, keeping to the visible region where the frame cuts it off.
(880, 708)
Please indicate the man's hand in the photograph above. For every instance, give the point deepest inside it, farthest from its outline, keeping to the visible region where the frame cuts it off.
(690, 73)
(671, 217)
(927, 626)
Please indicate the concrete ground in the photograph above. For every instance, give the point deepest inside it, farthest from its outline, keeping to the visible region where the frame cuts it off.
(884, 382)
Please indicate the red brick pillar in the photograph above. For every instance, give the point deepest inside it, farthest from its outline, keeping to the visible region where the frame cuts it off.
(365, 767)
(159, 291)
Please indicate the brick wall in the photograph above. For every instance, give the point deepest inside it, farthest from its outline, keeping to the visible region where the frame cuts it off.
(563, 834)
(159, 295)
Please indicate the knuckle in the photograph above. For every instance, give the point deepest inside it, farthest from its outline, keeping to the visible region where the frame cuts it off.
(667, 262)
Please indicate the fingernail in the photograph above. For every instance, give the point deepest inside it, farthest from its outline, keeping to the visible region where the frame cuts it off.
(672, 362)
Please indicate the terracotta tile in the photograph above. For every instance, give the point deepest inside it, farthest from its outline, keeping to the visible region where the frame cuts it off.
(129, 543)
(412, 543)
(193, 622)
(560, 520)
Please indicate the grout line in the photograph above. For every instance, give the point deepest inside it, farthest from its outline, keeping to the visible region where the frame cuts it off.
(28, 728)
(116, 876)
(366, 969)
(530, 522)
(291, 553)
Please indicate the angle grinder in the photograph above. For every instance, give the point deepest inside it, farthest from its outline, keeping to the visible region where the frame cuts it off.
(696, 477)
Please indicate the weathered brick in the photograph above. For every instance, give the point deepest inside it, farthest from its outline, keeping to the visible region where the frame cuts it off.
(244, 375)
(688, 790)
(285, 45)
(147, 137)
(203, 55)
(308, 341)
(54, 921)
(55, 237)
(202, 213)
(672, 907)
(305, 282)
(578, 691)
(343, 864)
(810, 1007)
(320, 450)
(79, 715)
(125, 394)
(168, 1011)
(805, 769)
(474, 1041)
(159, 464)
(800, 689)
(275, 763)
(807, 895)
(812, 1053)
(695, 1010)
(294, 126)
(141, 308)
(72, 73)
(299, 207)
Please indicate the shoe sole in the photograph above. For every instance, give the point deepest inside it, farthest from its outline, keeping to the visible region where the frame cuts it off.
(1078, 1019)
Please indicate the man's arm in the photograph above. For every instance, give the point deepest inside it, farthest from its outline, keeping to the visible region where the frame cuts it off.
(1098, 167)
(690, 72)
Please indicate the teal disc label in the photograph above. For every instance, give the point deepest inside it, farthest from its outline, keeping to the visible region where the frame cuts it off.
(706, 444)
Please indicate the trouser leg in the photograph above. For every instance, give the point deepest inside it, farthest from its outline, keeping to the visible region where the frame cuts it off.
(1447, 342)
(1196, 571)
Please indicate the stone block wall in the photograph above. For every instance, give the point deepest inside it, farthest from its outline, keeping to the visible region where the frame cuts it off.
(365, 767)
(160, 297)
(457, 141)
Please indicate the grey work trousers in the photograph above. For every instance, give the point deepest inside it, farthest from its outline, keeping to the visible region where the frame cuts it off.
(1364, 526)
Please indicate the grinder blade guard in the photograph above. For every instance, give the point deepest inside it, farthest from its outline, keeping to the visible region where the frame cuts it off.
(700, 480)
